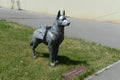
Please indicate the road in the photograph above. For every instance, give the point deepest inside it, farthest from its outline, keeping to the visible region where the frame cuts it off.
(107, 34)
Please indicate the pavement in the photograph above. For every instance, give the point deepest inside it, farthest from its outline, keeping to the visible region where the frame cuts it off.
(107, 34)
(111, 72)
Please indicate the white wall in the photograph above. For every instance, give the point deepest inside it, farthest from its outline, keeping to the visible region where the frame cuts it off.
(102, 10)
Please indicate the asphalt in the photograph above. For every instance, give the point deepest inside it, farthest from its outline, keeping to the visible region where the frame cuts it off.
(107, 34)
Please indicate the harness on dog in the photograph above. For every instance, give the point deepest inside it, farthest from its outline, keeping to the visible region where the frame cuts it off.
(41, 32)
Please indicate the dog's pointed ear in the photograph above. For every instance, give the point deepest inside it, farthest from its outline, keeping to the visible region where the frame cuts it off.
(58, 15)
(64, 12)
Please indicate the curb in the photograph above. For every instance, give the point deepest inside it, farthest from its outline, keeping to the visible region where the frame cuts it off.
(102, 70)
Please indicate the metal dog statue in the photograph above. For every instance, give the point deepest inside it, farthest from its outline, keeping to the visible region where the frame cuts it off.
(51, 36)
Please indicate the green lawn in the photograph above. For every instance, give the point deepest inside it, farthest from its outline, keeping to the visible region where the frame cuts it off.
(16, 61)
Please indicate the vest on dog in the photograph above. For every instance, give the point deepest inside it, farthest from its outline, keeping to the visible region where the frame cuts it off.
(41, 32)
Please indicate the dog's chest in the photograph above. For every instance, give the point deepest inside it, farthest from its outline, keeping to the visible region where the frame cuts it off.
(54, 37)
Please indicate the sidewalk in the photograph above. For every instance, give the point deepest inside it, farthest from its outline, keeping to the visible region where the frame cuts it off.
(111, 72)
(107, 34)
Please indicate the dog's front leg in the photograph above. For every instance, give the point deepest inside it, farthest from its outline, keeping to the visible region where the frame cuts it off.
(56, 48)
(52, 55)
(53, 51)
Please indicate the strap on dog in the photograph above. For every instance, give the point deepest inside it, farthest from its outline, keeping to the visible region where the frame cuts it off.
(47, 28)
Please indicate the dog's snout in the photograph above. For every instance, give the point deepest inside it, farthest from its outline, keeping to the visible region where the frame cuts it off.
(68, 23)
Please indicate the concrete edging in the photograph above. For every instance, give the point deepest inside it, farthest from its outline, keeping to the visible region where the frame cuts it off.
(102, 70)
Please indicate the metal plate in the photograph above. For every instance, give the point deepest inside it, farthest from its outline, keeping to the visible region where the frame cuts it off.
(73, 73)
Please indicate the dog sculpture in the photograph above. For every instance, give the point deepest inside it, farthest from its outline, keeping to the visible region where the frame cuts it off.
(51, 36)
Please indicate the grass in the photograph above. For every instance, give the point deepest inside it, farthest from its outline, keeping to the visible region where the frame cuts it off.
(16, 61)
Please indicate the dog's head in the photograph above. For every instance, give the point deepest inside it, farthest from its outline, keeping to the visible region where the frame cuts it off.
(61, 19)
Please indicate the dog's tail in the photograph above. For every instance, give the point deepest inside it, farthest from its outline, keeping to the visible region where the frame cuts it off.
(31, 43)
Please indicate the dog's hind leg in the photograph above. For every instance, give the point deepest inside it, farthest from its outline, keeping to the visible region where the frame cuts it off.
(31, 43)
(35, 43)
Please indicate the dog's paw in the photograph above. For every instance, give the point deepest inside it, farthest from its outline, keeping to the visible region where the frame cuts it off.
(52, 64)
(34, 57)
(56, 61)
